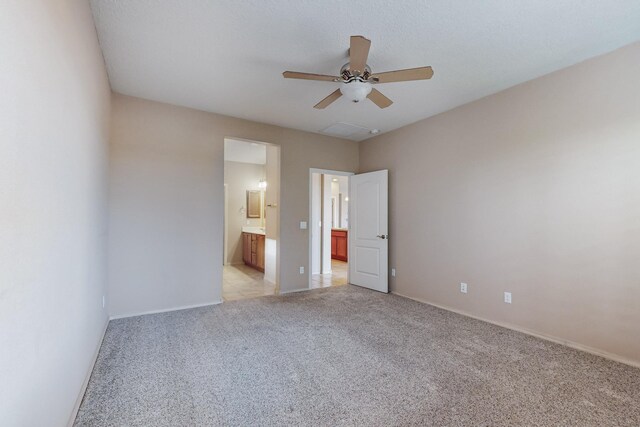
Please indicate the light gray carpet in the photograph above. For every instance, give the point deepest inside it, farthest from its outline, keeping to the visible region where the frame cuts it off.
(346, 356)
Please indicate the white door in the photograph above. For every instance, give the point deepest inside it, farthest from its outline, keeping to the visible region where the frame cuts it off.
(368, 231)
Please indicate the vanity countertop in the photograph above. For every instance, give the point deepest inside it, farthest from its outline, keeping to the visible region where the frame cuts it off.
(253, 230)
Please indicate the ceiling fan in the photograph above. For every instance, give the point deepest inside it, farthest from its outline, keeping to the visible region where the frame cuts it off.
(356, 79)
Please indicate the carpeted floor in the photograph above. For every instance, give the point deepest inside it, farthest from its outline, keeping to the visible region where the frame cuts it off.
(346, 356)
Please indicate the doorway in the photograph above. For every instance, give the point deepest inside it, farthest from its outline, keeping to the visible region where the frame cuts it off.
(251, 219)
(329, 228)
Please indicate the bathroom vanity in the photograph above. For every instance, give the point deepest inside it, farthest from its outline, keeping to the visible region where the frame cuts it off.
(253, 239)
(339, 243)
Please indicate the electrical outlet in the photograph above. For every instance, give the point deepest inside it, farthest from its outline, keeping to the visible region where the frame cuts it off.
(463, 288)
(393, 272)
(104, 301)
(301, 270)
(507, 297)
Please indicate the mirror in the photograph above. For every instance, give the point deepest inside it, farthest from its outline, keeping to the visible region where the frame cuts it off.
(253, 203)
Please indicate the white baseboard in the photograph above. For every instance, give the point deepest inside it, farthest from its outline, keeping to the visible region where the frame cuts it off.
(164, 310)
(561, 341)
(85, 383)
(294, 290)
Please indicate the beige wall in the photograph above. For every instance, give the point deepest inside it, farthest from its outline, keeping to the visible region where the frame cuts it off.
(240, 177)
(54, 112)
(534, 190)
(166, 201)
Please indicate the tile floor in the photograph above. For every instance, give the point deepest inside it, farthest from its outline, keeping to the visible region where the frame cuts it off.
(337, 277)
(240, 282)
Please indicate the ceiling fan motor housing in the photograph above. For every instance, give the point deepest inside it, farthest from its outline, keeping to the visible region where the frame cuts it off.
(355, 86)
(347, 73)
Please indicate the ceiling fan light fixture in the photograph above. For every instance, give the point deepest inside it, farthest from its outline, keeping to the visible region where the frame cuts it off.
(356, 91)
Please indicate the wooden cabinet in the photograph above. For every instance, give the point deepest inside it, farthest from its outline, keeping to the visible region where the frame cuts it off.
(339, 244)
(253, 250)
(246, 248)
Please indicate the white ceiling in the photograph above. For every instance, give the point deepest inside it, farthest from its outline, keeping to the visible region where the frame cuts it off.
(227, 56)
(244, 151)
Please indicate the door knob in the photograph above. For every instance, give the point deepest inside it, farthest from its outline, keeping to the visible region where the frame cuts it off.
(383, 236)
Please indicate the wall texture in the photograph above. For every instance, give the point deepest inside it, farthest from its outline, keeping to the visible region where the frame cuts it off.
(240, 177)
(166, 201)
(534, 190)
(54, 113)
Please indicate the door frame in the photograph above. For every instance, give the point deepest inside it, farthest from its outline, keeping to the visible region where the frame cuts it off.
(309, 225)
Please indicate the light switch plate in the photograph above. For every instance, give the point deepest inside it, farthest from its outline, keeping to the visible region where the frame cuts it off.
(303, 225)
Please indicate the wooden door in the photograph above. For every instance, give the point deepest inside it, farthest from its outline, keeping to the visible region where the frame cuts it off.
(260, 252)
(246, 248)
(339, 245)
(254, 246)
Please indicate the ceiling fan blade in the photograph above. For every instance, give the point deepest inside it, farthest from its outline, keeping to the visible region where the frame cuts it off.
(379, 99)
(358, 53)
(309, 76)
(421, 73)
(328, 100)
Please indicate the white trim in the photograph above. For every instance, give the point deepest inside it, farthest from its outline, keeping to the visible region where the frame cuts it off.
(294, 290)
(561, 341)
(164, 310)
(225, 219)
(309, 225)
(85, 383)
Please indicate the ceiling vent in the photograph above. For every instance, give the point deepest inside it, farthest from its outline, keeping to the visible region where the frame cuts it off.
(346, 130)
